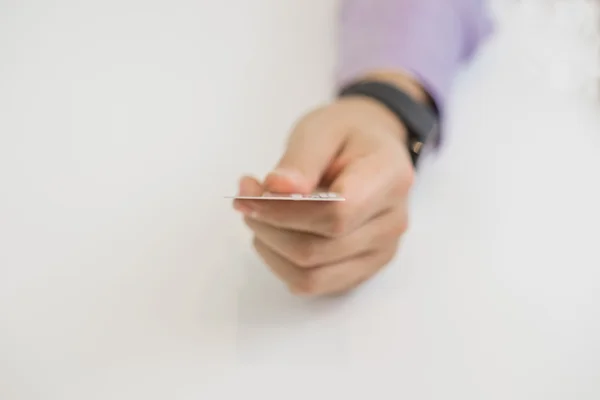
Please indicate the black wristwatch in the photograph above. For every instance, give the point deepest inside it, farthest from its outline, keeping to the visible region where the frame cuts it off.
(421, 121)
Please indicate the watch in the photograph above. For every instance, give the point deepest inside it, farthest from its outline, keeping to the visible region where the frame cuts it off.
(421, 121)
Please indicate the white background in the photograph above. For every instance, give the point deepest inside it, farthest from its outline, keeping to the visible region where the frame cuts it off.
(122, 126)
(124, 274)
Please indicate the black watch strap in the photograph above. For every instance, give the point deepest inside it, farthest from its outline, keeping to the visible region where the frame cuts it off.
(420, 121)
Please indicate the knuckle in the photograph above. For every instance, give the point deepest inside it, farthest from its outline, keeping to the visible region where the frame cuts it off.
(306, 253)
(340, 220)
(338, 227)
(402, 184)
(408, 178)
(403, 181)
(396, 225)
(401, 225)
(310, 120)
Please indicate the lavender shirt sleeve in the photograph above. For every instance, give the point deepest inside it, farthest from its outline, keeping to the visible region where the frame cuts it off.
(428, 39)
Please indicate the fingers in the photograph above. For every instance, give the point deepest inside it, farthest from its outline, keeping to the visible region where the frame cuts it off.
(248, 187)
(313, 145)
(328, 279)
(308, 251)
(371, 185)
(326, 247)
(327, 219)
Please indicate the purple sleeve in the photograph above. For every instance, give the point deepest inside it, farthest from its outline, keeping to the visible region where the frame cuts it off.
(428, 39)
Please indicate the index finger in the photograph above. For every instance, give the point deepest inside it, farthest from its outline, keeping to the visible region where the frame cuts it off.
(368, 186)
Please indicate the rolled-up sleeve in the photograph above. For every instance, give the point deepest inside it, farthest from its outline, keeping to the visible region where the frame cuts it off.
(428, 39)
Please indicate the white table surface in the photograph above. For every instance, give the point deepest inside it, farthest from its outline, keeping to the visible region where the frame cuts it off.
(125, 275)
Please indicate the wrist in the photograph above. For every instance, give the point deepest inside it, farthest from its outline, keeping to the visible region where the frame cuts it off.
(407, 102)
(376, 115)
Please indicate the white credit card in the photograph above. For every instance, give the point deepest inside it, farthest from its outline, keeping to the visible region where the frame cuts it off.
(317, 196)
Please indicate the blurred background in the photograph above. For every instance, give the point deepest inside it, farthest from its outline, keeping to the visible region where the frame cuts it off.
(122, 126)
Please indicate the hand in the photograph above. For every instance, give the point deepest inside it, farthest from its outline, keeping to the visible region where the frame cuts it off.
(355, 147)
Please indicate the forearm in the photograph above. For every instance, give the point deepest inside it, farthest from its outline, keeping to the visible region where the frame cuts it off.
(418, 44)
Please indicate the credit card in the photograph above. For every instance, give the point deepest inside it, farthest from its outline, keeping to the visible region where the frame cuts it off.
(317, 196)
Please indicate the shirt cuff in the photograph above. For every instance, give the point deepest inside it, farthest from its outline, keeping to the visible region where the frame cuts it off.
(424, 38)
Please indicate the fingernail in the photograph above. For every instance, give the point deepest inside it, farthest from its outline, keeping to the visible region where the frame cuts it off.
(243, 208)
(287, 173)
(253, 215)
(247, 210)
(241, 188)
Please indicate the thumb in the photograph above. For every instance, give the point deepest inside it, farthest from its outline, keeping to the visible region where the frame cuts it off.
(308, 155)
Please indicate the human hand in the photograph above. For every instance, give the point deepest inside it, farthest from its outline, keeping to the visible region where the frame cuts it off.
(354, 147)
